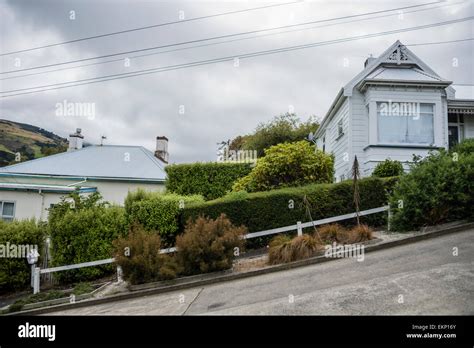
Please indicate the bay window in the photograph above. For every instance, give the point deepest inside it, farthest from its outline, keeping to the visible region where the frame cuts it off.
(405, 123)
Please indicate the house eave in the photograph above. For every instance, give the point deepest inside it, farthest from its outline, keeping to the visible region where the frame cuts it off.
(94, 178)
(362, 86)
(332, 110)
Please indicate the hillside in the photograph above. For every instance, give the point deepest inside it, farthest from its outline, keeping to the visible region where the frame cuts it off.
(29, 141)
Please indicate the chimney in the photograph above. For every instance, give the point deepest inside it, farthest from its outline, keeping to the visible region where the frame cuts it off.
(162, 149)
(369, 60)
(75, 140)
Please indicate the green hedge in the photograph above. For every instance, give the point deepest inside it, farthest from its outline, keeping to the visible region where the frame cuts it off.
(265, 210)
(15, 273)
(159, 212)
(84, 233)
(438, 189)
(211, 180)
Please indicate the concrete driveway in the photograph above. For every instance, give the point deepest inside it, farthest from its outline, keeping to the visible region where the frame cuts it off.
(434, 276)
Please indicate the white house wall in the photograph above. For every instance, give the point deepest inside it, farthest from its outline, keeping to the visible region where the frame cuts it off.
(339, 146)
(27, 204)
(30, 204)
(360, 126)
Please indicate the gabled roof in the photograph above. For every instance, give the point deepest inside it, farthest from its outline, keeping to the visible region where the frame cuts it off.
(396, 55)
(396, 64)
(108, 162)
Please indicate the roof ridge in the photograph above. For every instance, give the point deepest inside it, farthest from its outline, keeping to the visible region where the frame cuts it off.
(150, 155)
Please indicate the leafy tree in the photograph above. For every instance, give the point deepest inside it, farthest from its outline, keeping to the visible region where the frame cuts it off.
(288, 164)
(281, 129)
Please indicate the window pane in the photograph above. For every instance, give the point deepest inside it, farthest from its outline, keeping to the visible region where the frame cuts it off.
(426, 108)
(403, 128)
(8, 209)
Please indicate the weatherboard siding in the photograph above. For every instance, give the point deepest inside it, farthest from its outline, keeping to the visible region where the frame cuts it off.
(339, 146)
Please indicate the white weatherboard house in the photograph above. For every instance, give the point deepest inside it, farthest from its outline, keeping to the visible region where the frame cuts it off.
(28, 189)
(395, 108)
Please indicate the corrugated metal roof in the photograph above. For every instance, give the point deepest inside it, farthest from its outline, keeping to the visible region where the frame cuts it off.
(106, 162)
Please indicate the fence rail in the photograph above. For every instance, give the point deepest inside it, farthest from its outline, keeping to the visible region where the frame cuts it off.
(297, 227)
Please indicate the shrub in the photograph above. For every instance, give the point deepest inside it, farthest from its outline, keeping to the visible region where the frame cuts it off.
(336, 233)
(211, 180)
(281, 129)
(298, 248)
(331, 233)
(288, 164)
(39, 297)
(465, 147)
(438, 189)
(82, 288)
(139, 256)
(388, 168)
(208, 245)
(84, 232)
(15, 273)
(261, 211)
(161, 212)
(359, 233)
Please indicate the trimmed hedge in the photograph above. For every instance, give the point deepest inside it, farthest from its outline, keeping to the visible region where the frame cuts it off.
(211, 180)
(15, 273)
(158, 212)
(266, 210)
(84, 232)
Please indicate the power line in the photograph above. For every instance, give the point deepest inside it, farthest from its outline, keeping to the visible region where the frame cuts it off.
(215, 38)
(440, 42)
(149, 27)
(222, 59)
(228, 41)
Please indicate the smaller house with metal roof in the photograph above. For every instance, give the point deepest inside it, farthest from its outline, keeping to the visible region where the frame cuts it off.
(29, 188)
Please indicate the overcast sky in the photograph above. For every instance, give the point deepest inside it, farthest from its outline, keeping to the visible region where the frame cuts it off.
(220, 101)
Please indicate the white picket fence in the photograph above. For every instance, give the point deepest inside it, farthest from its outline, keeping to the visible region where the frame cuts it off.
(297, 227)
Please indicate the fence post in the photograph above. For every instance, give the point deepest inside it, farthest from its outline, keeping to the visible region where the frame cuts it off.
(33, 275)
(36, 282)
(119, 274)
(300, 230)
(389, 218)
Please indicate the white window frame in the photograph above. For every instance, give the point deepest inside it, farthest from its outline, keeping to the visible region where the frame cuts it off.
(7, 217)
(340, 129)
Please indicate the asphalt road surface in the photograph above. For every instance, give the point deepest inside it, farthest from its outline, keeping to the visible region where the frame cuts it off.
(435, 276)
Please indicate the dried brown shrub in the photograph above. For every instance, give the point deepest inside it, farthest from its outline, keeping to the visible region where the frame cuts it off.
(209, 245)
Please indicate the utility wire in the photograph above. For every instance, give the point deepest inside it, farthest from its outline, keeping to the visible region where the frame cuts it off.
(222, 59)
(227, 41)
(214, 38)
(150, 26)
(440, 42)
